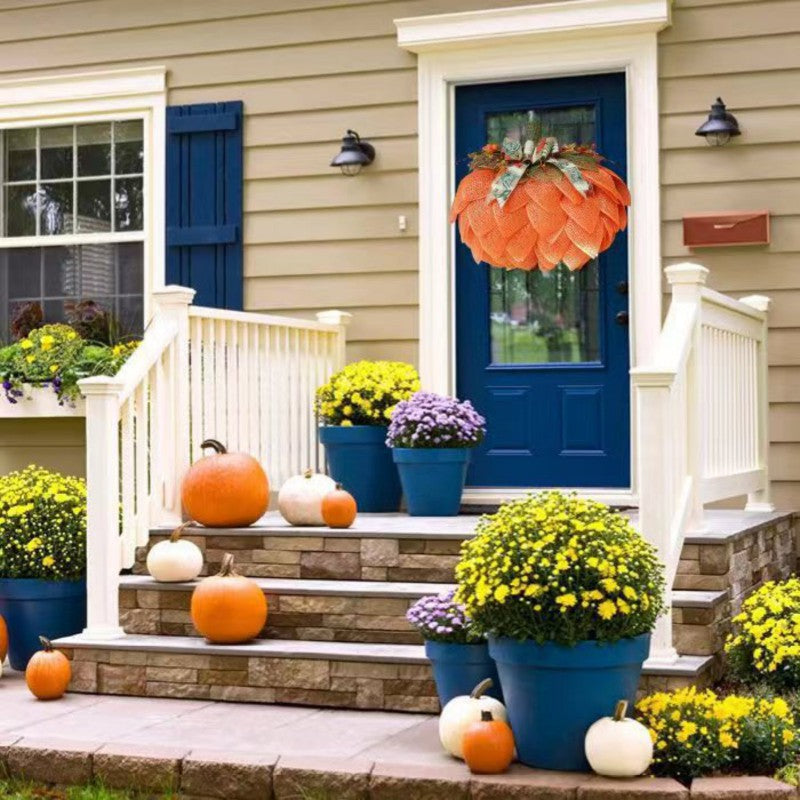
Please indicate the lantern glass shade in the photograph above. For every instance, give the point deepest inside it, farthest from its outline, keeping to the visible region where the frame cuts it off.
(354, 154)
(720, 126)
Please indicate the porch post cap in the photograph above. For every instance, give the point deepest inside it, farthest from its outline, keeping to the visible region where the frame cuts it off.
(757, 301)
(334, 317)
(100, 385)
(686, 273)
(174, 295)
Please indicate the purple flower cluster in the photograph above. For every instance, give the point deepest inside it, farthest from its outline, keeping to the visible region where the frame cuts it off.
(440, 619)
(433, 420)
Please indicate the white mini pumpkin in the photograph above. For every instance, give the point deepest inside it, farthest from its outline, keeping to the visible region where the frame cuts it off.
(462, 711)
(175, 559)
(300, 498)
(618, 746)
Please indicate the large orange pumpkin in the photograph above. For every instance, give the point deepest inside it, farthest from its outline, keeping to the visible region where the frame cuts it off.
(48, 672)
(228, 608)
(3, 640)
(225, 490)
(545, 220)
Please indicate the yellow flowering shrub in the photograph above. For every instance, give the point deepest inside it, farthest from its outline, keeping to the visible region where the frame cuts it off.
(765, 644)
(697, 733)
(42, 525)
(366, 392)
(555, 567)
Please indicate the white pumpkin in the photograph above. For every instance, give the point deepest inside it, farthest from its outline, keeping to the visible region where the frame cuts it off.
(618, 746)
(175, 559)
(300, 498)
(462, 711)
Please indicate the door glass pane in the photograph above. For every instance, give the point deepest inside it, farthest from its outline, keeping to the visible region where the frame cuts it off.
(542, 317)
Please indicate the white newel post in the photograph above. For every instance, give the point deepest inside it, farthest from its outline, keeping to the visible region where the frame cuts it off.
(102, 479)
(760, 500)
(172, 302)
(342, 319)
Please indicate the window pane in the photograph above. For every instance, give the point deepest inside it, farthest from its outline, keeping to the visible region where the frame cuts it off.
(55, 209)
(130, 277)
(61, 271)
(24, 273)
(21, 210)
(98, 270)
(94, 206)
(128, 201)
(94, 149)
(56, 144)
(56, 310)
(21, 155)
(131, 315)
(129, 147)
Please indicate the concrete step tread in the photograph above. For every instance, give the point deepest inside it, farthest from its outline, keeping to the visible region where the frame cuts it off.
(303, 586)
(333, 651)
(695, 598)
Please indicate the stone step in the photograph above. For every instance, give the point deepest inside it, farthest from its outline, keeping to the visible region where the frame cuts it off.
(338, 611)
(339, 674)
(700, 621)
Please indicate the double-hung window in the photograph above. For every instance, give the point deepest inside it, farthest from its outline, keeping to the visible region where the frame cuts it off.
(72, 211)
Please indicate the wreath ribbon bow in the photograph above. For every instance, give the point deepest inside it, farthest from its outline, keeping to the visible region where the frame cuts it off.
(542, 152)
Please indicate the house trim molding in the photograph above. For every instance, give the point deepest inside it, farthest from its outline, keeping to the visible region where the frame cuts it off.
(576, 37)
(96, 96)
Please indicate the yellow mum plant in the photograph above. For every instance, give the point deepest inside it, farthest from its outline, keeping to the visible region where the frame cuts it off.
(766, 642)
(555, 567)
(697, 733)
(366, 392)
(42, 525)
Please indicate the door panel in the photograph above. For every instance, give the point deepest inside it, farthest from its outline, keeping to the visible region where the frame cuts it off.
(542, 354)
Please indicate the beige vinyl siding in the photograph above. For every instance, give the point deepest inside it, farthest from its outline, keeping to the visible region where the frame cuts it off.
(309, 69)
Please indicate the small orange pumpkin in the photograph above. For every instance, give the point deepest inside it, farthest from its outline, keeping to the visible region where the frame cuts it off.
(488, 745)
(3, 640)
(228, 608)
(48, 672)
(339, 508)
(225, 490)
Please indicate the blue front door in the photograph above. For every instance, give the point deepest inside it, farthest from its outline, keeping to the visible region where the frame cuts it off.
(544, 355)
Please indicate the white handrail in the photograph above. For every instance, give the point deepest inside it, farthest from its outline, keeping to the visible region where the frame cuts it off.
(701, 411)
(245, 379)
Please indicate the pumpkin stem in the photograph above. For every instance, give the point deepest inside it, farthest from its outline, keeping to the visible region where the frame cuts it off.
(226, 568)
(214, 444)
(482, 687)
(486, 716)
(339, 487)
(47, 645)
(308, 473)
(619, 711)
(178, 532)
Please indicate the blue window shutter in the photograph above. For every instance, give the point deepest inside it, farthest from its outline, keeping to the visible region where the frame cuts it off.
(204, 201)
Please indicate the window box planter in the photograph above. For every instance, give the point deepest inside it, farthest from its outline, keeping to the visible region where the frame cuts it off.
(40, 401)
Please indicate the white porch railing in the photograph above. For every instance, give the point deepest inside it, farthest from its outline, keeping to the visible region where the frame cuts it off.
(245, 379)
(701, 410)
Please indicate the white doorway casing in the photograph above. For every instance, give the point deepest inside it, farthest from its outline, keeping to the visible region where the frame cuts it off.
(570, 37)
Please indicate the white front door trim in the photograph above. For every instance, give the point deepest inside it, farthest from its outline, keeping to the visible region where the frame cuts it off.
(571, 37)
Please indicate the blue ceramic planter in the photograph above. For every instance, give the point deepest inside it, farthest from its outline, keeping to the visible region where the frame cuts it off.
(554, 693)
(432, 478)
(34, 608)
(459, 668)
(359, 459)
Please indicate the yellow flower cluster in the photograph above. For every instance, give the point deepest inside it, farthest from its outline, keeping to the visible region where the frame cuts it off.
(366, 392)
(697, 732)
(555, 567)
(42, 525)
(766, 642)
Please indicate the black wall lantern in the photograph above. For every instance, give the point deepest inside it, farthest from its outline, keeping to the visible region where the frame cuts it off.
(720, 125)
(355, 153)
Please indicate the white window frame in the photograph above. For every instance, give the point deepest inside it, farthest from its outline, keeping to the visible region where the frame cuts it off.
(569, 37)
(88, 97)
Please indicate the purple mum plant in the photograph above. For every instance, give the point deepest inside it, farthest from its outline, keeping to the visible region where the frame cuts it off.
(433, 420)
(440, 619)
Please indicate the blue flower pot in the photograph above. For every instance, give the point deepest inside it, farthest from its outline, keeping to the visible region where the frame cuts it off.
(359, 459)
(459, 668)
(34, 608)
(432, 478)
(554, 693)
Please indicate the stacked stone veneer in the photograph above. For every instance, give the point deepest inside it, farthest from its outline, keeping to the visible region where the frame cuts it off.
(257, 679)
(328, 558)
(159, 611)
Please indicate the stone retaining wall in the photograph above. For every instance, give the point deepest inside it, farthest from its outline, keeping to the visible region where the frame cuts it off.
(165, 612)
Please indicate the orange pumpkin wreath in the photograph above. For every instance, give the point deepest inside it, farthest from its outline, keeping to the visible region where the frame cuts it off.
(523, 206)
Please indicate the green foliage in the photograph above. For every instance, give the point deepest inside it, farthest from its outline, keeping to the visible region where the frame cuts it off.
(42, 525)
(11, 789)
(555, 567)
